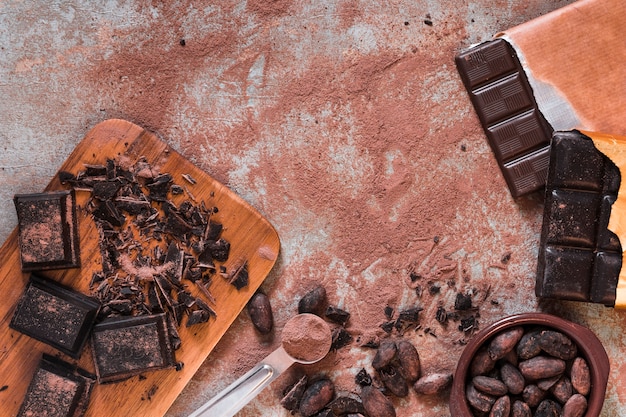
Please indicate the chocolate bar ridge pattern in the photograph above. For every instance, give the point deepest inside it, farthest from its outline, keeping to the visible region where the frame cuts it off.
(56, 315)
(516, 130)
(57, 389)
(579, 257)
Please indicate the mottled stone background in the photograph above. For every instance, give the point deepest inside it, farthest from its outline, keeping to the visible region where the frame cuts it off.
(343, 122)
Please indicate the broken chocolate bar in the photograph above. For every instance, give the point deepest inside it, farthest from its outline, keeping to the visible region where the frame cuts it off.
(579, 258)
(501, 95)
(128, 346)
(48, 230)
(57, 389)
(56, 315)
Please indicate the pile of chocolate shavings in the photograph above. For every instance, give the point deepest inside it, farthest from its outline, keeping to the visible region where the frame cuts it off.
(151, 248)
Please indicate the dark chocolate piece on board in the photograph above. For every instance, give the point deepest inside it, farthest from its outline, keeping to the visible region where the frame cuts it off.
(128, 346)
(579, 258)
(503, 99)
(47, 230)
(57, 389)
(56, 315)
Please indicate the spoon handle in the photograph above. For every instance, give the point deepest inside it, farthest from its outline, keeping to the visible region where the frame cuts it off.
(244, 389)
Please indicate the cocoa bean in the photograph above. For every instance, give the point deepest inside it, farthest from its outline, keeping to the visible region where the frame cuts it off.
(481, 363)
(501, 408)
(376, 404)
(491, 386)
(313, 302)
(480, 401)
(504, 342)
(316, 396)
(385, 353)
(433, 384)
(533, 395)
(346, 405)
(520, 409)
(546, 384)
(512, 378)
(548, 408)
(528, 345)
(576, 406)
(394, 381)
(557, 344)
(541, 367)
(562, 390)
(580, 376)
(291, 399)
(409, 359)
(260, 312)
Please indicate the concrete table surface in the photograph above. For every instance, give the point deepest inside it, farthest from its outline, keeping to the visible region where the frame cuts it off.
(343, 122)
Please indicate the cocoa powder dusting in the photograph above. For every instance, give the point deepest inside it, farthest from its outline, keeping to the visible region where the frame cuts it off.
(306, 338)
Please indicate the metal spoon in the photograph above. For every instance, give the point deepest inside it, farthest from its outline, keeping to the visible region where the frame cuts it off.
(239, 393)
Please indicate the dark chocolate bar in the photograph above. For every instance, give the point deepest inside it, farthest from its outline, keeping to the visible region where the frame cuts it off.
(57, 389)
(48, 231)
(579, 258)
(56, 315)
(128, 346)
(501, 95)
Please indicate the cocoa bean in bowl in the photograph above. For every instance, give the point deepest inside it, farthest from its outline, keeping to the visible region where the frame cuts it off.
(531, 365)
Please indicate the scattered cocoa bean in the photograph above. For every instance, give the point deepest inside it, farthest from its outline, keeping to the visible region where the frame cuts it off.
(481, 363)
(314, 301)
(528, 346)
(533, 395)
(316, 396)
(576, 406)
(557, 344)
(520, 409)
(504, 342)
(512, 378)
(548, 408)
(433, 383)
(541, 367)
(291, 399)
(394, 381)
(346, 405)
(491, 386)
(376, 404)
(260, 312)
(410, 365)
(478, 400)
(501, 408)
(562, 390)
(580, 376)
(385, 353)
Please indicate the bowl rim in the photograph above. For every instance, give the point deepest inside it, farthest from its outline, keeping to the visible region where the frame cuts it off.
(588, 344)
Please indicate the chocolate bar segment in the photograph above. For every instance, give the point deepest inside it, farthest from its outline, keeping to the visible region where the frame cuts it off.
(48, 230)
(57, 389)
(128, 346)
(56, 315)
(579, 257)
(501, 95)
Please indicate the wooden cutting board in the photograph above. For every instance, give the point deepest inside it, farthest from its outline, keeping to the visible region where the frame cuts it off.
(252, 239)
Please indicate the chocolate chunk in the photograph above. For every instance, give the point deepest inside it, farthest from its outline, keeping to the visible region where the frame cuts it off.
(502, 97)
(48, 230)
(57, 389)
(128, 346)
(579, 258)
(56, 315)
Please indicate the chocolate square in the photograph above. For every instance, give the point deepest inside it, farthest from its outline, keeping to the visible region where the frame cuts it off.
(57, 389)
(579, 258)
(128, 346)
(47, 230)
(56, 315)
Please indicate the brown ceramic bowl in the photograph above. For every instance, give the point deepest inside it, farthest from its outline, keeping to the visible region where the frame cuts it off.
(588, 344)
